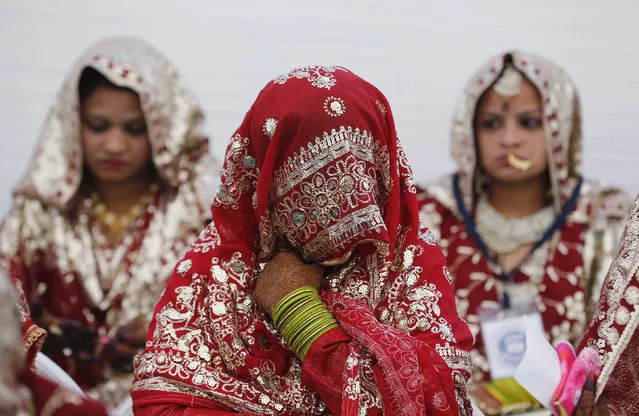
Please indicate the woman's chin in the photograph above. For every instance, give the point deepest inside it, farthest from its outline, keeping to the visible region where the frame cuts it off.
(512, 176)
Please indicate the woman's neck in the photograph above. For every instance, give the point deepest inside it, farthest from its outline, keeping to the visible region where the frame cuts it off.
(120, 197)
(514, 200)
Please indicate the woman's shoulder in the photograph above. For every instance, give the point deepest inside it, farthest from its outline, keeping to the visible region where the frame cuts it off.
(27, 224)
(437, 193)
(436, 203)
(30, 213)
(602, 205)
(25, 229)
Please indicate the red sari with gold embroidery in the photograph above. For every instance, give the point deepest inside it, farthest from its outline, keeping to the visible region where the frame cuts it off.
(315, 167)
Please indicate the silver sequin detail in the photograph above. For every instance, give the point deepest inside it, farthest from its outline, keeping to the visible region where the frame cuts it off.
(184, 267)
(334, 106)
(269, 127)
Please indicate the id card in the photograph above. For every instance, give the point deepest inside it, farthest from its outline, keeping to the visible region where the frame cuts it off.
(504, 335)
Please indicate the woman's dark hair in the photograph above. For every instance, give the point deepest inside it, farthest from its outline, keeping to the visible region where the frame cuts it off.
(91, 79)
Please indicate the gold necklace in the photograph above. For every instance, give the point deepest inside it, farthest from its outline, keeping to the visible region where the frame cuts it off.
(116, 223)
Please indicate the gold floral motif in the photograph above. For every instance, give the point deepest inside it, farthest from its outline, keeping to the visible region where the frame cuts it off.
(207, 240)
(269, 127)
(404, 171)
(417, 306)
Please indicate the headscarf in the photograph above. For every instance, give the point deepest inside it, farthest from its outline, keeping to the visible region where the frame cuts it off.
(316, 166)
(173, 117)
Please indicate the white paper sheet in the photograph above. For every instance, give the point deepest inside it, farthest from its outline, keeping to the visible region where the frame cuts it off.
(539, 371)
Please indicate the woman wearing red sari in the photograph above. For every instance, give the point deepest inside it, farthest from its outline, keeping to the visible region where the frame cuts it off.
(22, 391)
(109, 203)
(315, 169)
(518, 224)
(613, 332)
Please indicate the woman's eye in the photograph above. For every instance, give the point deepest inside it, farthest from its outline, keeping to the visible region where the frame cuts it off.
(97, 127)
(530, 123)
(135, 129)
(490, 124)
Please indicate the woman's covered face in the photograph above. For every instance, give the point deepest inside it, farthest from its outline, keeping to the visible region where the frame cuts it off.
(115, 137)
(509, 131)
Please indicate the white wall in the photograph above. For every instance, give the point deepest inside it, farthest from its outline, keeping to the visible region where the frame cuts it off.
(419, 52)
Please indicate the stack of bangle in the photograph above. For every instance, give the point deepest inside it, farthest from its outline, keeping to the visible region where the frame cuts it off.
(302, 317)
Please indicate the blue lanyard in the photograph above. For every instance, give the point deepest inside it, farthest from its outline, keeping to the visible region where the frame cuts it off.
(474, 235)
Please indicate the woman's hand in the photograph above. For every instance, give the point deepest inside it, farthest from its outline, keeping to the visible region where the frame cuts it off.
(586, 405)
(128, 342)
(65, 336)
(134, 333)
(575, 394)
(283, 274)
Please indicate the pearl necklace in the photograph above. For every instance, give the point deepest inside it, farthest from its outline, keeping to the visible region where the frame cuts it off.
(504, 235)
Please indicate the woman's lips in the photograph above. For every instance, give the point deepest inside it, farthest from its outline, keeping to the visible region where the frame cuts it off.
(113, 164)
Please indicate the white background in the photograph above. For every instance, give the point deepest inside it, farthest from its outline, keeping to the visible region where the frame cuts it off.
(418, 52)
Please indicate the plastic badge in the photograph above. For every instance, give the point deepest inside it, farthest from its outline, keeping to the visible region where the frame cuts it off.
(504, 335)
